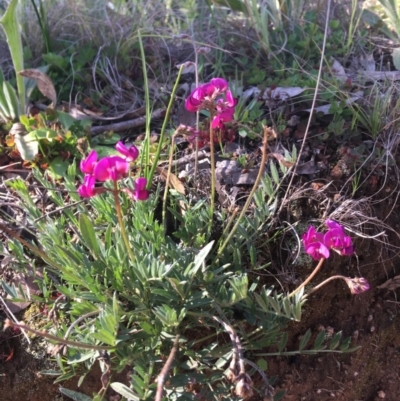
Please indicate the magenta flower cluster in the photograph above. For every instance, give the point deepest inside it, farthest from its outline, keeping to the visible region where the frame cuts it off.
(214, 96)
(318, 245)
(112, 168)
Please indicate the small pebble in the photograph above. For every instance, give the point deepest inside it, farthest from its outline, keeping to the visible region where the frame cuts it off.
(372, 329)
(370, 317)
(381, 394)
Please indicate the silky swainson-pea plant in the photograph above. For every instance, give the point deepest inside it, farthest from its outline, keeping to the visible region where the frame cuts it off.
(131, 291)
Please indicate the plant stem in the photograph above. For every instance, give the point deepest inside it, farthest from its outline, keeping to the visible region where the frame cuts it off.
(77, 321)
(317, 287)
(5, 306)
(163, 375)
(145, 157)
(262, 374)
(310, 277)
(75, 344)
(171, 155)
(121, 222)
(250, 197)
(212, 158)
(161, 139)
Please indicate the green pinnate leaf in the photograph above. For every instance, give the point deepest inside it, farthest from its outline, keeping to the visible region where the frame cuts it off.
(283, 341)
(305, 340)
(74, 395)
(335, 341)
(320, 340)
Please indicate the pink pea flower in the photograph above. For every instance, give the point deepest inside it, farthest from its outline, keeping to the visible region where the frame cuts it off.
(87, 189)
(220, 84)
(357, 285)
(141, 192)
(314, 245)
(223, 116)
(230, 100)
(87, 165)
(130, 154)
(317, 250)
(337, 239)
(312, 235)
(332, 224)
(111, 168)
(195, 100)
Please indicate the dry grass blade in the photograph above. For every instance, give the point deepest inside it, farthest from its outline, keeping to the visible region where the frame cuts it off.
(173, 180)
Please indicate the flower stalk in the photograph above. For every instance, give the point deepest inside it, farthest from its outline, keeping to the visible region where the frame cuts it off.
(212, 160)
(356, 285)
(310, 277)
(250, 197)
(121, 223)
(318, 246)
(215, 97)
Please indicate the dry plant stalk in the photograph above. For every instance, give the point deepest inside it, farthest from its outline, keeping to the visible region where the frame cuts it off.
(164, 372)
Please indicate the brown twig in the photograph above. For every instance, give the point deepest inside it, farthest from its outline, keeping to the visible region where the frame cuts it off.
(74, 344)
(124, 125)
(237, 357)
(14, 318)
(59, 209)
(163, 374)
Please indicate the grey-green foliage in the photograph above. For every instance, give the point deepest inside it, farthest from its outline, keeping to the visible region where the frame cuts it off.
(392, 11)
(9, 105)
(173, 286)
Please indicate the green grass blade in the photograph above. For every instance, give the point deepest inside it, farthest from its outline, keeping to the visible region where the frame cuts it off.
(11, 28)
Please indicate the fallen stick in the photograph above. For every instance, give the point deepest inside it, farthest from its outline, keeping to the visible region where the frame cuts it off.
(124, 125)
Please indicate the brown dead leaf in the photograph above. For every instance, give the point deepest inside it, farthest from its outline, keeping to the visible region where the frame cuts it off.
(338, 71)
(316, 186)
(173, 180)
(271, 133)
(281, 159)
(391, 284)
(44, 83)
